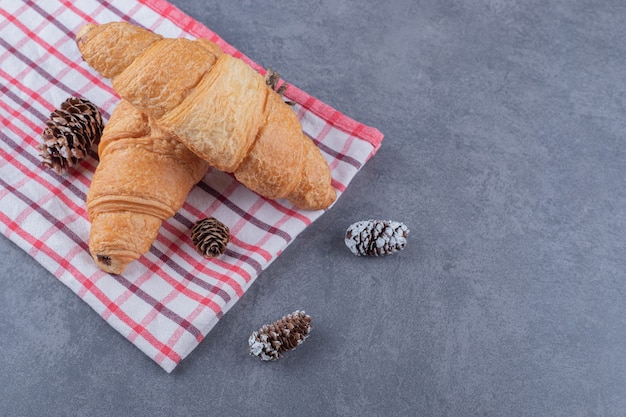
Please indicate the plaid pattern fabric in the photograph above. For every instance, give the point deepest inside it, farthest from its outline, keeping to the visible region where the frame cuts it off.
(166, 302)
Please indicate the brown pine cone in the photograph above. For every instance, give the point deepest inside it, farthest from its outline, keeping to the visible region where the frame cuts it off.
(272, 340)
(210, 237)
(70, 133)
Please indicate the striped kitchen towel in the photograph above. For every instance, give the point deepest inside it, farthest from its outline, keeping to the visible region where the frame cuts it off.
(166, 302)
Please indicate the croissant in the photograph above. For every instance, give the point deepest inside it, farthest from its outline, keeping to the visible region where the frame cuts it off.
(216, 105)
(143, 178)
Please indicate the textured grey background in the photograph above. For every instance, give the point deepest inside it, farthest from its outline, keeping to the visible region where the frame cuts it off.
(504, 153)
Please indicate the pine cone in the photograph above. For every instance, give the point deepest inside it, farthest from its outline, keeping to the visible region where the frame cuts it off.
(272, 340)
(70, 133)
(272, 79)
(210, 237)
(376, 237)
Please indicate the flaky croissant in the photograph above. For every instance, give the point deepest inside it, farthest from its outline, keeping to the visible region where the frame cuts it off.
(216, 105)
(143, 178)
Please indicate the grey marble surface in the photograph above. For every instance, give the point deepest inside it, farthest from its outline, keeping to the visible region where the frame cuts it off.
(504, 153)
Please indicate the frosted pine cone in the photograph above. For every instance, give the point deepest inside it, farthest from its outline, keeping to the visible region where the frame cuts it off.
(272, 340)
(210, 237)
(376, 237)
(70, 133)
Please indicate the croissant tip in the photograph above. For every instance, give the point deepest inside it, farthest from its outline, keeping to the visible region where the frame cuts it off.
(83, 30)
(113, 264)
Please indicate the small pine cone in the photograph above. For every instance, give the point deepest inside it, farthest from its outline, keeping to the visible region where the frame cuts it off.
(272, 79)
(210, 237)
(376, 237)
(70, 133)
(272, 340)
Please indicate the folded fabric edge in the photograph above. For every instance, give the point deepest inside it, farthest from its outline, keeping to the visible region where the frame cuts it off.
(73, 281)
(321, 109)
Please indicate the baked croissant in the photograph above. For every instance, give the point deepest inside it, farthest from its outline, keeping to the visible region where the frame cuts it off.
(216, 105)
(143, 178)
